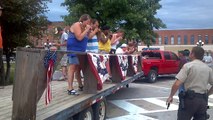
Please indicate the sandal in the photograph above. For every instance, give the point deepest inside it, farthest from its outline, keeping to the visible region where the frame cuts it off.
(72, 92)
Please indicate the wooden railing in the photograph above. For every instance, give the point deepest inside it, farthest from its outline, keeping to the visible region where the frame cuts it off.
(30, 78)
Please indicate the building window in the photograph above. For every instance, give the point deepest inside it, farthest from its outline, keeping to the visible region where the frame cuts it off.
(212, 39)
(155, 40)
(36, 42)
(166, 40)
(159, 40)
(185, 40)
(172, 40)
(192, 41)
(206, 39)
(199, 37)
(179, 40)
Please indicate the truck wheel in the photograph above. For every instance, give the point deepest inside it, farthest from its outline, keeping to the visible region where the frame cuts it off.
(152, 76)
(100, 110)
(86, 114)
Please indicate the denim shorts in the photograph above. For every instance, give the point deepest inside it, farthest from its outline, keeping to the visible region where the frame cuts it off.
(73, 60)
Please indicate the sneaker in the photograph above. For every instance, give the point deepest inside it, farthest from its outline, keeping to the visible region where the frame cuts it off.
(72, 92)
(80, 88)
(109, 80)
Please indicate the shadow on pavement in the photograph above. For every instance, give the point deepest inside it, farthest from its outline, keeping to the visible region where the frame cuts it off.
(161, 78)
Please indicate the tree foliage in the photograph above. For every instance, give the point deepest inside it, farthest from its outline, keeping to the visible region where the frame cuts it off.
(21, 19)
(136, 17)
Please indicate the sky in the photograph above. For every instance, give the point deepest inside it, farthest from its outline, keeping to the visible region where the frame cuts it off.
(56, 10)
(176, 14)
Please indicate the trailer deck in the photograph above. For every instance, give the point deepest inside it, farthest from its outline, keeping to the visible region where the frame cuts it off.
(62, 105)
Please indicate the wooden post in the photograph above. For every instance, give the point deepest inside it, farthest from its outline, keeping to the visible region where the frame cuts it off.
(90, 82)
(114, 69)
(29, 83)
(139, 67)
(130, 70)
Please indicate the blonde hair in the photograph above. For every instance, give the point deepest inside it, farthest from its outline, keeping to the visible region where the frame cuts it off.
(84, 17)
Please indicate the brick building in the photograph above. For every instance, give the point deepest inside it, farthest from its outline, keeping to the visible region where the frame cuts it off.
(175, 40)
(184, 37)
(49, 33)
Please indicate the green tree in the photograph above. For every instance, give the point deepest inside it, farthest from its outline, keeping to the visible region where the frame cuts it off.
(136, 17)
(21, 19)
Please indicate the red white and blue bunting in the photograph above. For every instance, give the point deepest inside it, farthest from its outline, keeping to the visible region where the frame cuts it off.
(49, 60)
(123, 65)
(135, 62)
(98, 64)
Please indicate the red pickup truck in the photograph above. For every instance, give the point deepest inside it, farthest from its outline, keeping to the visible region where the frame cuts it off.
(159, 62)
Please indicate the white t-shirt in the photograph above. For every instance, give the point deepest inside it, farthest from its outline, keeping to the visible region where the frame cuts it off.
(207, 59)
(119, 51)
(114, 46)
(64, 38)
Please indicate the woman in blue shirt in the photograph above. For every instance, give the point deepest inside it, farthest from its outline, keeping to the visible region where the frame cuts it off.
(77, 41)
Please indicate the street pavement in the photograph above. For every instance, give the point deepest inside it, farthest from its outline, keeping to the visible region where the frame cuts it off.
(145, 101)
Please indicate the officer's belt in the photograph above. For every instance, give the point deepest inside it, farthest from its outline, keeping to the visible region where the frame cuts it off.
(198, 95)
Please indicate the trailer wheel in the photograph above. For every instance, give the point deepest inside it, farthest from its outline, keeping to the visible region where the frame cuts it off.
(100, 110)
(152, 76)
(86, 114)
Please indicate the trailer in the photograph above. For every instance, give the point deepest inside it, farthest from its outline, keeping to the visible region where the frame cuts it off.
(25, 100)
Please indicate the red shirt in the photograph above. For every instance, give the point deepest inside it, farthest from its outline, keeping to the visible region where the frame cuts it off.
(1, 45)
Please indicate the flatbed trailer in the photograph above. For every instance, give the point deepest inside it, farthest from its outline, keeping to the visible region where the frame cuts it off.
(26, 98)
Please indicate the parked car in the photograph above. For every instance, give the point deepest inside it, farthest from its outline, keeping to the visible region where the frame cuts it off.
(159, 62)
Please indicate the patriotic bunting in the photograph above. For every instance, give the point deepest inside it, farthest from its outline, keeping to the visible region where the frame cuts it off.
(123, 65)
(135, 62)
(49, 61)
(98, 64)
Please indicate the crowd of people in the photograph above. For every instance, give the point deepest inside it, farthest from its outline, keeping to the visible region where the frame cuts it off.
(86, 35)
(184, 57)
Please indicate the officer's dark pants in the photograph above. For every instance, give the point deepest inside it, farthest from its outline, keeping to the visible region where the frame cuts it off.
(194, 108)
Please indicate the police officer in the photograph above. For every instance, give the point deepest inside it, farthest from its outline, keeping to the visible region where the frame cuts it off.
(196, 76)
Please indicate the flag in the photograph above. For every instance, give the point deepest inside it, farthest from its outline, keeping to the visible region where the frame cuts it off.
(48, 96)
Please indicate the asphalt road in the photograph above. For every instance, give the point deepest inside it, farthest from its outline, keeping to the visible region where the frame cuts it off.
(145, 101)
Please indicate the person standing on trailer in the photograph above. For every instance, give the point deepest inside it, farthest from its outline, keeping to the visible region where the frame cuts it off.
(77, 41)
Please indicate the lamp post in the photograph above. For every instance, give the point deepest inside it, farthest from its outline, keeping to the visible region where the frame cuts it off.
(200, 43)
(47, 44)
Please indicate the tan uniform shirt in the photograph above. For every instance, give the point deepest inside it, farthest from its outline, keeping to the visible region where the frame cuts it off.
(196, 76)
